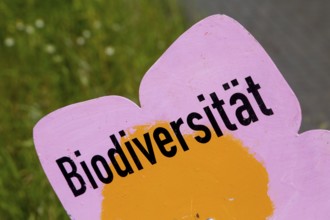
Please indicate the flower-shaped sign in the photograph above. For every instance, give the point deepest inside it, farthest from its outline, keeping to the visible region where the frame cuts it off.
(216, 137)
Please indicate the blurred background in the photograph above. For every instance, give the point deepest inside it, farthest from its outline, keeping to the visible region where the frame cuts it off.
(54, 54)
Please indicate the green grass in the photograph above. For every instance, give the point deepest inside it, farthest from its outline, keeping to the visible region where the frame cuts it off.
(84, 50)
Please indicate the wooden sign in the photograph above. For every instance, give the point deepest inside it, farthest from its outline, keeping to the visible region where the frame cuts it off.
(216, 137)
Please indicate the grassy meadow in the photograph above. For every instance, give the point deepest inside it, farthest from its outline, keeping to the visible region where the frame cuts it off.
(55, 53)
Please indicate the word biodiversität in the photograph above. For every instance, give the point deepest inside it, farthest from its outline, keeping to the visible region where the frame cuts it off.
(245, 115)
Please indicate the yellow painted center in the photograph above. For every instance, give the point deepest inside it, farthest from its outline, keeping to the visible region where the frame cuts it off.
(220, 180)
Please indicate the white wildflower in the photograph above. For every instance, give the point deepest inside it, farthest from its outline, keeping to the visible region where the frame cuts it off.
(50, 48)
(29, 29)
(110, 51)
(9, 42)
(39, 23)
(86, 34)
(83, 77)
(80, 41)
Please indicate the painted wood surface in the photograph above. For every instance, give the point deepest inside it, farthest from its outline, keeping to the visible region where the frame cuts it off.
(215, 136)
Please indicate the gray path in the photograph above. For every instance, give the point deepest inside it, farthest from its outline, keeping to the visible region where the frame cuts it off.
(296, 34)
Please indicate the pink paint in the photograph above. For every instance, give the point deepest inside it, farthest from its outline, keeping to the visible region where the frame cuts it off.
(211, 53)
